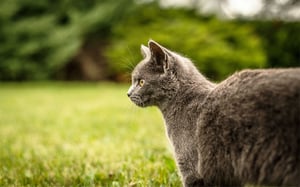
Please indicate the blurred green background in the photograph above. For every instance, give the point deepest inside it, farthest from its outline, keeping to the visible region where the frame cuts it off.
(65, 65)
(99, 40)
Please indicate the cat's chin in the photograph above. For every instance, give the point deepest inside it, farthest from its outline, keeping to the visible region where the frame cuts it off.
(142, 104)
(138, 102)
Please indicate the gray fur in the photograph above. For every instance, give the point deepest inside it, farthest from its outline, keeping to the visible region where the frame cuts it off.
(244, 130)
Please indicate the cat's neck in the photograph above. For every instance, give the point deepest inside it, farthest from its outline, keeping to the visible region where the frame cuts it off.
(180, 112)
(192, 91)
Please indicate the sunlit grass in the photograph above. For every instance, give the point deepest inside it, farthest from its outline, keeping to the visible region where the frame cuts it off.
(75, 134)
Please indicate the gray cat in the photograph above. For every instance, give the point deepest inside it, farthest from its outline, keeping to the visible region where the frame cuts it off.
(244, 130)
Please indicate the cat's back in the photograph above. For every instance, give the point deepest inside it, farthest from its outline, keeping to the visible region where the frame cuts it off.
(284, 81)
(255, 116)
(259, 89)
(266, 99)
(275, 80)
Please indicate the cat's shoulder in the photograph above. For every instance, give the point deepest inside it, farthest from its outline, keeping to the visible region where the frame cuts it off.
(250, 88)
(250, 77)
(253, 82)
(237, 80)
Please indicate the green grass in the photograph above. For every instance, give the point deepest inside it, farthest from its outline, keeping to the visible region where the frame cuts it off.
(75, 134)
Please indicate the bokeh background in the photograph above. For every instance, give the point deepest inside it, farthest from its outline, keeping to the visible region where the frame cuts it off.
(65, 65)
(99, 40)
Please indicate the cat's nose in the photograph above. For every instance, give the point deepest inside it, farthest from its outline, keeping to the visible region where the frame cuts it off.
(130, 91)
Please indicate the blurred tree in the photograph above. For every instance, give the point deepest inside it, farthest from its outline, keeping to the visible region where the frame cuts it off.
(92, 40)
(218, 48)
(280, 9)
(38, 38)
(281, 41)
(287, 10)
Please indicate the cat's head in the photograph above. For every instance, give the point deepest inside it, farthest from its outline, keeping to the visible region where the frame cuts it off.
(154, 79)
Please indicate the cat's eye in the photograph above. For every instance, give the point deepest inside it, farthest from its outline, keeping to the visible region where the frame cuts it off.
(141, 82)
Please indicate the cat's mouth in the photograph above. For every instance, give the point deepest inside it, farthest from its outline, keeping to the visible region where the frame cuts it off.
(137, 101)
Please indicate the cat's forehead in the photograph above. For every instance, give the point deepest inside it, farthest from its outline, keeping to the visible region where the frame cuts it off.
(141, 69)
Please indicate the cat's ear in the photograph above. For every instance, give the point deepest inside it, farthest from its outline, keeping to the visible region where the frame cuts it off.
(145, 51)
(158, 55)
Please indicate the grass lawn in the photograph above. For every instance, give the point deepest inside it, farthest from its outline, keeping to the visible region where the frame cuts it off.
(76, 134)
